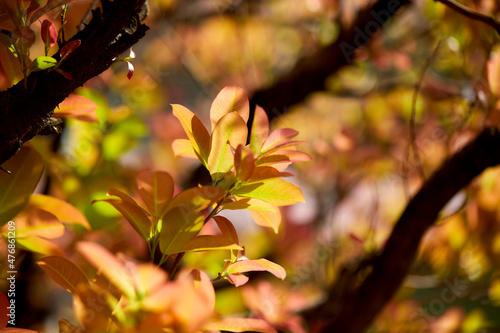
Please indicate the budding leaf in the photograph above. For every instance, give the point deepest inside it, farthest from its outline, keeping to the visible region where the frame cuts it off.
(41, 63)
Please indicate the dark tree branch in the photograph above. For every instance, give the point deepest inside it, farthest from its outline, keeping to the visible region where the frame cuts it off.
(310, 73)
(472, 14)
(385, 273)
(24, 113)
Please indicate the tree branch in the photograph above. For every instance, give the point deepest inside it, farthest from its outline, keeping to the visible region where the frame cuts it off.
(310, 73)
(387, 271)
(466, 11)
(24, 113)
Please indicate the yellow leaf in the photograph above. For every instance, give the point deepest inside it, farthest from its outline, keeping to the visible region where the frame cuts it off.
(156, 189)
(180, 225)
(230, 130)
(267, 219)
(197, 198)
(63, 272)
(248, 203)
(209, 242)
(242, 266)
(276, 191)
(61, 209)
(183, 147)
(38, 222)
(260, 130)
(196, 132)
(40, 245)
(229, 99)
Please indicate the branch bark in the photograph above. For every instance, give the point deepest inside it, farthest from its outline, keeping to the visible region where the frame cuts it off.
(24, 113)
(310, 73)
(387, 271)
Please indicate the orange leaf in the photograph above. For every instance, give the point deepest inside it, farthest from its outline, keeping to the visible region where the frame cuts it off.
(64, 211)
(183, 147)
(244, 162)
(262, 173)
(276, 191)
(137, 217)
(260, 130)
(237, 279)
(267, 219)
(277, 138)
(198, 198)
(66, 327)
(229, 130)
(156, 189)
(40, 245)
(39, 223)
(77, 107)
(203, 286)
(227, 228)
(229, 99)
(111, 268)
(209, 242)
(180, 225)
(63, 272)
(242, 266)
(17, 330)
(196, 132)
(283, 156)
(241, 325)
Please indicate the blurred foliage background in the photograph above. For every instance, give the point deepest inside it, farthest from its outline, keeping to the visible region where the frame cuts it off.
(363, 170)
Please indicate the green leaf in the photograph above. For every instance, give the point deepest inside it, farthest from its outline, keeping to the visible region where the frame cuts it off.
(63, 272)
(41, 63)
(26, 167)
(230, 130)
(209, 242)
(276, 191)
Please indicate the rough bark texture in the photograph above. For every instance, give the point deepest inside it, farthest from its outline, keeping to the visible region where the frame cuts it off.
(25, 113)
(387, 271)
(310, 73)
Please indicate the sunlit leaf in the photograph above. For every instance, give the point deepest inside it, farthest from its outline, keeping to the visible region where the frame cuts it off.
(242, 266)
(237, 279)
(209, 242)
(278, 137)
(230, 130)
(241, 325)
(198, 198)
(40, 245)
(276, 191)
(78, 107)
(180, 225)
(249, 203)
(202, 284)
(64, 211)
(38, 222)
(138, 217)
(183, 147)
(244, 163)
(156, 189)
(15, 189)
(195, 130)
(283, 156)
(229, 99)
(63, 272)
(227, 228)
(262, 173)
(268, 219)
(111, 268)
(41, 63)
(260, 130)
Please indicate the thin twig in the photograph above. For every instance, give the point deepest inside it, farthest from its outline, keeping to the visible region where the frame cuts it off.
(413, 136)
(472, 14)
